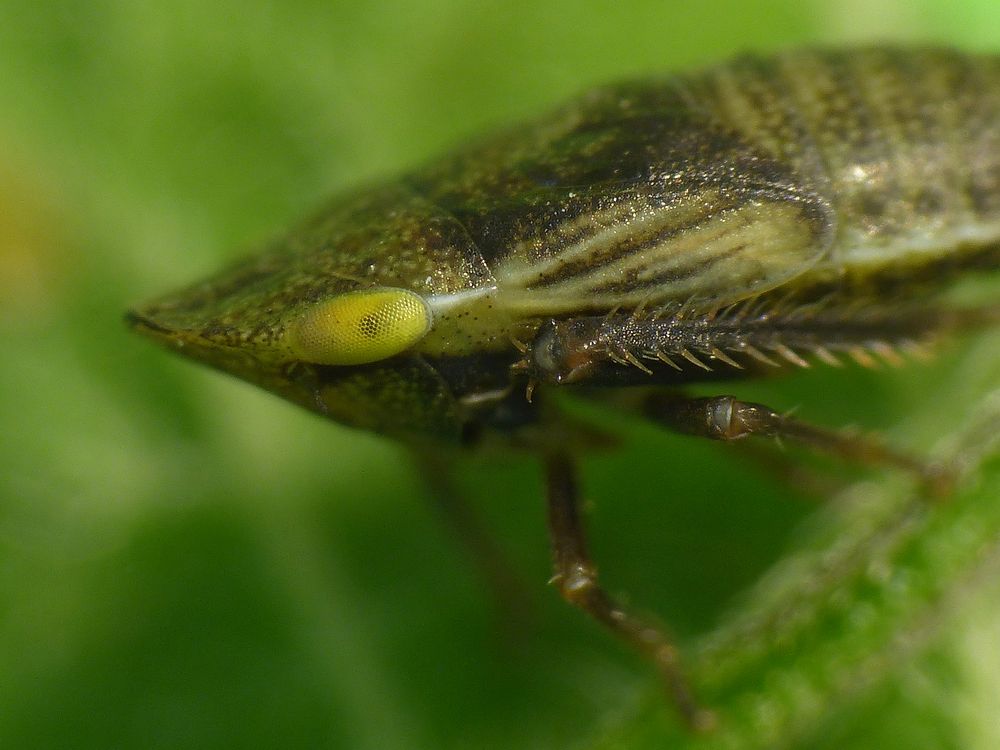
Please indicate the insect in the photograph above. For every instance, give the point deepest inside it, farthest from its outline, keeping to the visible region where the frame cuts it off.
(765, 214)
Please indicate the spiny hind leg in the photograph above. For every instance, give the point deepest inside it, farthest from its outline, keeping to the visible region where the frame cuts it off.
(576, 576)
(728, 418)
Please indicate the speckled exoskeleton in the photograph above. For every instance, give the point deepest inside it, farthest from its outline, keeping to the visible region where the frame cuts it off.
(770, 212)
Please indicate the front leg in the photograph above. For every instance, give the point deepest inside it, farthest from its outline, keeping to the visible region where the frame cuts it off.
(576, 576)
(492, 565)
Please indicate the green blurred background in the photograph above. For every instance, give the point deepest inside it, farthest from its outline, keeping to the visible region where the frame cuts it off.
(188, 562)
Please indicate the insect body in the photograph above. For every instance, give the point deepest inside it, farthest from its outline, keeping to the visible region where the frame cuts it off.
(769, 212)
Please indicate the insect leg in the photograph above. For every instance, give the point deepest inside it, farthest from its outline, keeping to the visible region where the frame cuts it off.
(728, 418)
(576, 576)
(510, 592)
(787, 469)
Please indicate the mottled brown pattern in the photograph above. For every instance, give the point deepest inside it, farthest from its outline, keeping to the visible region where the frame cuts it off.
(810, 172)
(902, 142)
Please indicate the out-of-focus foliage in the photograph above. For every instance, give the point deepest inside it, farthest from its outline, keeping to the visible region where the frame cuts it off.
(187, 562)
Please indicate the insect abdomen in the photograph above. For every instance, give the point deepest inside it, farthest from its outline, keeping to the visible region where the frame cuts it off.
(905, 144)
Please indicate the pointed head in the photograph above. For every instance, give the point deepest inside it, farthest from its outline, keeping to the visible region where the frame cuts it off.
(333, 317)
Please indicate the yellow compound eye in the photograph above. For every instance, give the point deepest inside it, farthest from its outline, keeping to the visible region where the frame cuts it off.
(360, 327)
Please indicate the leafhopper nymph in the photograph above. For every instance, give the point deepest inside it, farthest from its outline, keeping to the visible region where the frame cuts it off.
(772, 212)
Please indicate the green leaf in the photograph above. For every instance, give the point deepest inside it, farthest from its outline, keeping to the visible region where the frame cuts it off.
(188, 563)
